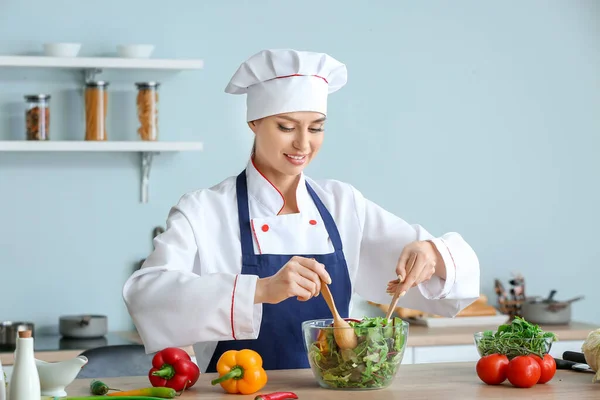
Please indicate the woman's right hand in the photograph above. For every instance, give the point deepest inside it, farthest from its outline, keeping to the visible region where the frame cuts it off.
(300, 277)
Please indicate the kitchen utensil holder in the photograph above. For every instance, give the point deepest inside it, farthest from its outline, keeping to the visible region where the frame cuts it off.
(512, 308)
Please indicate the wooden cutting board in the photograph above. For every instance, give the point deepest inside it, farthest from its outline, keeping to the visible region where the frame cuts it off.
(479, 308)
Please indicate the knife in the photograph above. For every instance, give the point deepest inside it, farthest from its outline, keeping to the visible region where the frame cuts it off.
(572, 365)
(574, 356)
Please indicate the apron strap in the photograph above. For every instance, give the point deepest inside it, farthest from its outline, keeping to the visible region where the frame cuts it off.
(244, 216)
(330, 225)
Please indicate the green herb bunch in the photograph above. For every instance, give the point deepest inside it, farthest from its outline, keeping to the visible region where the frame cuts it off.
(515, 339)
(372, 364)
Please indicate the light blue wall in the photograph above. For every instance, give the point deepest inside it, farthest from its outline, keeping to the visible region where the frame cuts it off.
(462, 116)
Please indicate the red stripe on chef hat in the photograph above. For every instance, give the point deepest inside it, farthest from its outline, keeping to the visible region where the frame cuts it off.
(289, 76)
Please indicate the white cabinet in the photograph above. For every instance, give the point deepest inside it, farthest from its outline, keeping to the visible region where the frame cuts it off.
(408, 356)
(437, 354)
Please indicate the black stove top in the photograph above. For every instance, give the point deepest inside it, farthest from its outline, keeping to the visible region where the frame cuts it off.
(57, 342)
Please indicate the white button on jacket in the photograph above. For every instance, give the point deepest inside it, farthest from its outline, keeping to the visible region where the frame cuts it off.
(186, 292)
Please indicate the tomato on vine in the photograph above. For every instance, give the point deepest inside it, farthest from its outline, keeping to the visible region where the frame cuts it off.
(492, 368)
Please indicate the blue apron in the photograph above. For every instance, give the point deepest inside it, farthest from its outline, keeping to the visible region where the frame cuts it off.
(280, 341)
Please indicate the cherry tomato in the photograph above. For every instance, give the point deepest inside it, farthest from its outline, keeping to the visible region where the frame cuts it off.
(523, 371)
(491, 369)
(548, 367)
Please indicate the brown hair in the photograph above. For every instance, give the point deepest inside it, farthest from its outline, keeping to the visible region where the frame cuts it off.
(253, 143)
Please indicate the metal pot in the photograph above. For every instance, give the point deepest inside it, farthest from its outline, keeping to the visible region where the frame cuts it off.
(83, 326)
(9, 331)
(548, 311)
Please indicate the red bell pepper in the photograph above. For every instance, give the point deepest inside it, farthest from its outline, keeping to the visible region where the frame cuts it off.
(173, 368)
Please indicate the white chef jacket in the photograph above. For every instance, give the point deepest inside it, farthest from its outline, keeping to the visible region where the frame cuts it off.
(189, 291)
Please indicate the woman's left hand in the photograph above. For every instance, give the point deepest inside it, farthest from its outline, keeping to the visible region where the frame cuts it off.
(416, 264)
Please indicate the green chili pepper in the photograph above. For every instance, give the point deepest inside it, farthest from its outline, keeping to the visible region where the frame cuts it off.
(99, 387)
(101, 398)
(162, 392)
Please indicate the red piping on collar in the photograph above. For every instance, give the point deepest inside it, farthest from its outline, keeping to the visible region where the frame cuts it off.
(282, 198)
(289, 76)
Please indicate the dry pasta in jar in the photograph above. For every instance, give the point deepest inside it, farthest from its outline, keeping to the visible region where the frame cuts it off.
(147, 110)
(96, 106)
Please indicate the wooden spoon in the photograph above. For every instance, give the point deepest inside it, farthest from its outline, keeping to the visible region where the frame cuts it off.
(344, 334)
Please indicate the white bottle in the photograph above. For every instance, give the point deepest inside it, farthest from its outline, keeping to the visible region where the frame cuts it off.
(2, 383)
(25, 381)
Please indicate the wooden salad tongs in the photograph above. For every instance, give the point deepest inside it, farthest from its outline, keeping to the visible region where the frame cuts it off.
(395, 299)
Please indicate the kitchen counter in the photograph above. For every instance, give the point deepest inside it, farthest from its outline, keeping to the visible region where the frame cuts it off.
(418, 337)
(451, 336)
(420, 381)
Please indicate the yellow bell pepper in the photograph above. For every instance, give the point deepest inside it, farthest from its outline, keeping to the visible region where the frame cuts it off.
(241, 372)
(322, 341)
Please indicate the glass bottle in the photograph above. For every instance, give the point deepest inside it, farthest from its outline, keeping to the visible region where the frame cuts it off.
(96, 107)
(147, 110)
(25, 381)
(37, 117)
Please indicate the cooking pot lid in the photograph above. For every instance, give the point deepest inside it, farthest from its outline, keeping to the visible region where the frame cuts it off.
(14, 323)
(78, 318)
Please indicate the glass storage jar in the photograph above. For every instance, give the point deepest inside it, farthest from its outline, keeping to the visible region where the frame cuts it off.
(96, 105)
(147, 110)
(37, 117)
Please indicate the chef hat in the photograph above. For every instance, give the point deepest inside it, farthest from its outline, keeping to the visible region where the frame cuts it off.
(280, 81)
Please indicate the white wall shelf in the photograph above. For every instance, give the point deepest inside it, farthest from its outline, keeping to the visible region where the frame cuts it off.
(90, 67)
(146, 149)
(75, 145)
(99, 63)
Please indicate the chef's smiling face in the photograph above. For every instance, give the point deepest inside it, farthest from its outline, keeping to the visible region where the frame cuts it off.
(286, 143)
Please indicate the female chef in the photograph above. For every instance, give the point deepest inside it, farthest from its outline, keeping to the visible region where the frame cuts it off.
(240, 264)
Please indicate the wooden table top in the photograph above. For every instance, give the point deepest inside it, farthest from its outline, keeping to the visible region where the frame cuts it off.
(413, 381)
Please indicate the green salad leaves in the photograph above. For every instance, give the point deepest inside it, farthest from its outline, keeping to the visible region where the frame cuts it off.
(517, 338)
(372, 364)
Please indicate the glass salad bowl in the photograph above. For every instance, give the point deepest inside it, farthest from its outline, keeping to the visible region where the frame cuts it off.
(373, 364)
(490, 342)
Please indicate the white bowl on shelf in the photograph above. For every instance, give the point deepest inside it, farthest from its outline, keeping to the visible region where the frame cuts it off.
(62, 49)
(135, 50)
